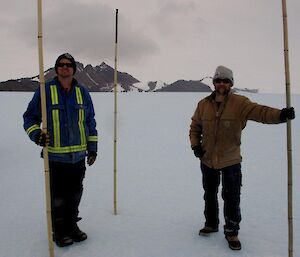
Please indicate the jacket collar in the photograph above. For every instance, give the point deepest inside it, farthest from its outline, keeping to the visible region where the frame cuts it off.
(74, 83)
(212, 96)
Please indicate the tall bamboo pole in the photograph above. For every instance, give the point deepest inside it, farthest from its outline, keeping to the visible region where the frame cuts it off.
(289, 130)
(115, 116)
(44, 128)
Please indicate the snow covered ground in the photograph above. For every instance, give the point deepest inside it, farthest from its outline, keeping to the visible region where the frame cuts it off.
(160, 206)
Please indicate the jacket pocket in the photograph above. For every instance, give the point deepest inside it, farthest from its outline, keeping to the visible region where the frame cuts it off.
(55, 121)
(230, 130)
(207, 133)
(81, 110)
(56, 106)
(80, 106)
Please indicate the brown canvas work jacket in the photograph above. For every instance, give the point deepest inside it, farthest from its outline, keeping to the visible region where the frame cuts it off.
(219, 129)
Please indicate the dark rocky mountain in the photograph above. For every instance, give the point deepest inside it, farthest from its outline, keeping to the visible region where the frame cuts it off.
(152, 85)
(96, 79)
(186, 86)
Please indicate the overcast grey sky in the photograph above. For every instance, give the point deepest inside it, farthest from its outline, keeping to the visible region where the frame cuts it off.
(162, 40)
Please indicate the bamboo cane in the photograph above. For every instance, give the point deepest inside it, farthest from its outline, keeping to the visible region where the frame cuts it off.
(115, 116)
(44, 128)
(289, 130)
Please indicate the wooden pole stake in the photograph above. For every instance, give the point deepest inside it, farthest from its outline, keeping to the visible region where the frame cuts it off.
(44, 128)
(115, 116)
(289, 130)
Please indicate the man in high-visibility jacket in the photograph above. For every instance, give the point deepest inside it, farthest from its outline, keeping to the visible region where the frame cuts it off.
(71, 136)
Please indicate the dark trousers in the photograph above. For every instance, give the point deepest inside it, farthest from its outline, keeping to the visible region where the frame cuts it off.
(66, 191)
(231, 190)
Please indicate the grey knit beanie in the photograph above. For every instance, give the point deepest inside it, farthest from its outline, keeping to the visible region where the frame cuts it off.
(223, 73)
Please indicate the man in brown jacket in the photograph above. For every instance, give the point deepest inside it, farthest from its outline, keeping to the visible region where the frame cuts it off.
(215, 135)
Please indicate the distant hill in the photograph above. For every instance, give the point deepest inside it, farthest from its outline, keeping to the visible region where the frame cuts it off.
(247, 90)
(186, 86)
(24, 84)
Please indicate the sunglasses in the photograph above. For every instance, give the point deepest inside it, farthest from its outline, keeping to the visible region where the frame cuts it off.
(225, 81)
(63, 64)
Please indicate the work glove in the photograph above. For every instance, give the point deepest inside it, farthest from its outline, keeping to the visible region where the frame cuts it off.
(287, 114)
(91, 157)
(198, 151)
(42, 138)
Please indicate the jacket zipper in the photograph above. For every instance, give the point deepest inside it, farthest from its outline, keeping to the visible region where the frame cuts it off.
(218, 112)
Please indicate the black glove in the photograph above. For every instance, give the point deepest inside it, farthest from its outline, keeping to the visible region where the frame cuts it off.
(42, 138)
(91, 157)
(198, 151)
(287, 114)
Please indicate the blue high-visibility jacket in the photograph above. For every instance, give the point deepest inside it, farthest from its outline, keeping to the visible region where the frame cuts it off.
(70, 121)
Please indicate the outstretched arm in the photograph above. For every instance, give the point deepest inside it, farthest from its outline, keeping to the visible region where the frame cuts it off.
(260, 113)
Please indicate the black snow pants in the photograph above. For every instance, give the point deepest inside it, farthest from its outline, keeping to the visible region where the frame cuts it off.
(66, 191)
(231, 190)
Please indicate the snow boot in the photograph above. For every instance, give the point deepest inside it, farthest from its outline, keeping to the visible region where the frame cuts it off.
(60, 234)
(206, 231)
(233, 242)
(76, 234)
(62, 241)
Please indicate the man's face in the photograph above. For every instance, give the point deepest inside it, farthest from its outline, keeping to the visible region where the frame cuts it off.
(222, 86)
(65, 68)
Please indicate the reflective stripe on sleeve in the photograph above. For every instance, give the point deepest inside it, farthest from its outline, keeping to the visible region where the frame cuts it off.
(93, 139)
(32, 128)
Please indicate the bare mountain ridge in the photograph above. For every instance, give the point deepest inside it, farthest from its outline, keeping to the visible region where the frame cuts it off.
(101, 79)
(97, 79)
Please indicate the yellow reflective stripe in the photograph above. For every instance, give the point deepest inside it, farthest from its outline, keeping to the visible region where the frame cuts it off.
(56, 127)
(92, 138)
(54, 96)
(80, 116)
(55, 116)
(81, 126)
(32, 128)
(79, 96)
(67, 149)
